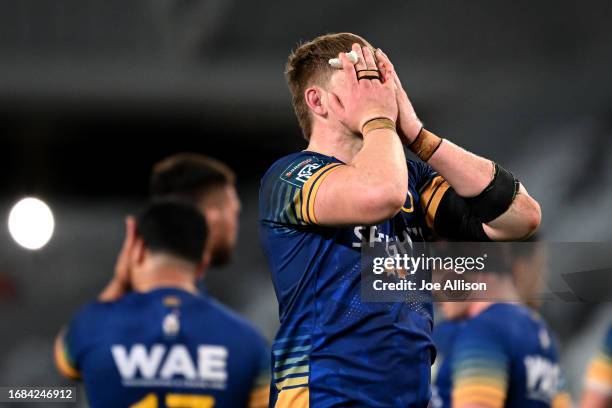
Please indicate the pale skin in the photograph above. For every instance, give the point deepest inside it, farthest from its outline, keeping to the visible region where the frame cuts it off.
(595, 399)
(372, 187)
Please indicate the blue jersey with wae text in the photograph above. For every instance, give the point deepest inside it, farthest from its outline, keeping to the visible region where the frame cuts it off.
(166, 348)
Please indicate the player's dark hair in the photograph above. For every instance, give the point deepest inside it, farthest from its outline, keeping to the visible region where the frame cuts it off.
(189, 176)
(173, 227)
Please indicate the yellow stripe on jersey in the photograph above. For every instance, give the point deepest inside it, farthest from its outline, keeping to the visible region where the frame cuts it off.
(562, 400)
(292, 382)
(411, 208)
(310, 189)
(293, 398)
(491, 397)
(599, 374)
(61, 359)
(189, 400)
(431, 197)
(260, 397)
(492, 381)
(292, 370)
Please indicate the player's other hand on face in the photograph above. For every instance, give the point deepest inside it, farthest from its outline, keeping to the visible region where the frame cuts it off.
(358, 101)
(121, 280)
(408, 124)
(122, 266)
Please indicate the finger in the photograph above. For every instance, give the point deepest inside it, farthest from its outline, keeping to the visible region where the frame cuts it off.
(385, 74)
(385, 67)
(382, 57)
(335, 105)
(388, 62)
(369, 58)
(361, 64)
(130, 229)
(348, 68)
(122, 264)
(370, 61)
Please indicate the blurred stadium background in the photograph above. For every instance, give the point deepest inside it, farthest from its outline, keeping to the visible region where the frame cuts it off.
(92, 93)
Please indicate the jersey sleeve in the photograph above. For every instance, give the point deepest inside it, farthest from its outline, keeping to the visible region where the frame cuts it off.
(430, 186)
(599, 372)
(260, 393)
(480, 368)
(64, 360)
(67, 344)
(446, 213)
(71, 341)
(289, 190)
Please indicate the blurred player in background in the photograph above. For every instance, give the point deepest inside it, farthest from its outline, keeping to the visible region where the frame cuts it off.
(208, 184)
(353, 187)
(528, 265)
(598, 382)
(163, 344)
(497, 353)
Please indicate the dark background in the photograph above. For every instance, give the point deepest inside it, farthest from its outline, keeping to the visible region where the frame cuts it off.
(92, 93)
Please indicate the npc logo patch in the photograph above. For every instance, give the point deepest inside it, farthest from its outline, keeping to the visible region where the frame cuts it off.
(298, 173)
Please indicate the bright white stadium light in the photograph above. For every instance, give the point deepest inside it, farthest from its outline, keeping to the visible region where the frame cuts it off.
(31, 223)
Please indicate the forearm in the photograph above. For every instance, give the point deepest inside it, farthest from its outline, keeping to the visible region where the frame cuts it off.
(519, 222)
(369, 189)
(494, 202)
(382, 162)
(466, 172)
(113, 290)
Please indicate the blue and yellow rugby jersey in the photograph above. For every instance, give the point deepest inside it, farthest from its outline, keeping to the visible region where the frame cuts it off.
(599, 373)
(332, 349)
(504, 357)
(165, 348)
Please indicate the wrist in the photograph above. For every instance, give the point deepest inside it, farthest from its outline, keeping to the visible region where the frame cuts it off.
(377, 123)
(425, 144)
(410, 131)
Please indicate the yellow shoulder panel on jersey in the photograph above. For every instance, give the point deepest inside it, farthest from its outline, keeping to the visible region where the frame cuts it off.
(293, 398)
(309, 192)
(486, 395)
(431, 197)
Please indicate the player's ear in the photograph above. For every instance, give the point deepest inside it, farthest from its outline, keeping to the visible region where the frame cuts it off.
(316, 100)
(212, 214)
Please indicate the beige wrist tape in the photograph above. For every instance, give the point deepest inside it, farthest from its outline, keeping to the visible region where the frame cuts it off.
(377, 123)
(425, 144)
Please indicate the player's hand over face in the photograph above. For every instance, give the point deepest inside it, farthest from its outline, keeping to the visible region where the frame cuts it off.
(121, 281)
(408, 124)
(358, 101)
(122, 266)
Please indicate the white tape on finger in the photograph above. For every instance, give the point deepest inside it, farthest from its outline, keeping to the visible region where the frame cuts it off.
(336, 63)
